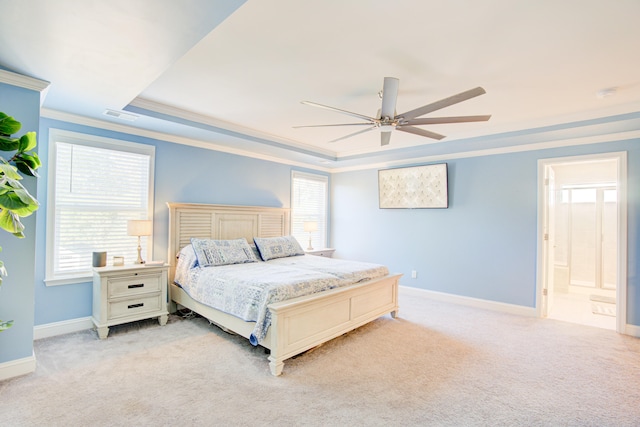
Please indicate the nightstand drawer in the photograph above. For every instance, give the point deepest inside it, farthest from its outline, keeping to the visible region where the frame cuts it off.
(134, 306)
(128, 286)
(327, 253)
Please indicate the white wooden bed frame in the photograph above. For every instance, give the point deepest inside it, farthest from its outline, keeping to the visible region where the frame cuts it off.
(297, 324)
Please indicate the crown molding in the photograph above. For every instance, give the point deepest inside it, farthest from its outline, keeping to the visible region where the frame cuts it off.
(31, 83)
(81, 120)
(225, 127)
(161, 136)
(569, 142)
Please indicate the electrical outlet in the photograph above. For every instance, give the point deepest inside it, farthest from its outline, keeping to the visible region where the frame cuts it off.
(414, 274)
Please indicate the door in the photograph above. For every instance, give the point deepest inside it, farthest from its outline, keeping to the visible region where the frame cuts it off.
(605, 175)
(549, 241)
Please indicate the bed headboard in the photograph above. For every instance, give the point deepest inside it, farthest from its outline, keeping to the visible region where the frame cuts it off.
(221, 222)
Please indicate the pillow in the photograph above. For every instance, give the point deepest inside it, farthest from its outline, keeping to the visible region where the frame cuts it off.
(222, 252)
(186, 261)
(277, 247)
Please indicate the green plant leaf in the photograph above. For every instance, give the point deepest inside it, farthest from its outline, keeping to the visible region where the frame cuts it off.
(9, 171)
(10, 222)
(5, 325)
(28, 141)
(34, 156)
(19, 202)
(9, 125)
(9, 144)
(25, 167)
(26, 198)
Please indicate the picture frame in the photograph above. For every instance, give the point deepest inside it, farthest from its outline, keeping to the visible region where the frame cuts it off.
(415, 187)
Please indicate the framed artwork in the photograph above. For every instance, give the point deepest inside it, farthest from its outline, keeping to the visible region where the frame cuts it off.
(417, 187)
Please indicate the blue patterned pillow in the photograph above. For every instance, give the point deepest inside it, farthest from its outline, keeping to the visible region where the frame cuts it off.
(222, 252)
(277, 247)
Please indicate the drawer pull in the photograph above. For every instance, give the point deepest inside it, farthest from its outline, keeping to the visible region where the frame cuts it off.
(136, 305)
(139, 285)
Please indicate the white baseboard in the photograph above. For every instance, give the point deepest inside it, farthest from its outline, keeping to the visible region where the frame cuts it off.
(61, 328)
(15, 368)
(472, 302)
(632, 330)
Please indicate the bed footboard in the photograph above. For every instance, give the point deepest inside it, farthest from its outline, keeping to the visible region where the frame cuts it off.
(302, 323)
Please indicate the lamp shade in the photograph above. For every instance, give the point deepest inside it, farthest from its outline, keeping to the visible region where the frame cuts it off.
(310, 226)
(139, 227)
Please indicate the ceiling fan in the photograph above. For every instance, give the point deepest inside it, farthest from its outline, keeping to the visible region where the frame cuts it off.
(387, 120)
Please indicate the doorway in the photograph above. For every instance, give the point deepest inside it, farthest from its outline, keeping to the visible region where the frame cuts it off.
(583, 241)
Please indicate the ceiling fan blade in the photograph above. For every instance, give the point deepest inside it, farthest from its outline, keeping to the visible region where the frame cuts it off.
(337, 110)
(421, 132)
(385, 137)
(453, 119)
(353, 134)
(389, 97)
(337, 124)
(472, 93)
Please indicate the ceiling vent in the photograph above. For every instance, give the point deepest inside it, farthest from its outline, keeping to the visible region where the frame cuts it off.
(121, 115)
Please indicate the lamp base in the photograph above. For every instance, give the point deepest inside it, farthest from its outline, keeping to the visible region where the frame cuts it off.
(310, 248)
(139, 260)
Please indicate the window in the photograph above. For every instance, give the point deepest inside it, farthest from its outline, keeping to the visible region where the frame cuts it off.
(95, 186)
(309, 194)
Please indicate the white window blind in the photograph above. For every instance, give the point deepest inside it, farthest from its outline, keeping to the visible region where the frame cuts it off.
(309, 194)
(98, 185)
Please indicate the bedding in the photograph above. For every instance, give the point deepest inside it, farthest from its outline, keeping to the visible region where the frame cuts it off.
(353, 271)
(222, 252)
(246, 290)
(277, 247)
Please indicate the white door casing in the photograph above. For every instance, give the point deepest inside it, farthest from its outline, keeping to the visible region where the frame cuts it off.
(548, 241)
(545, 265)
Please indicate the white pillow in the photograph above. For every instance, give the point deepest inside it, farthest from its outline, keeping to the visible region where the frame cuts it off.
(222, 252)
(277, 247)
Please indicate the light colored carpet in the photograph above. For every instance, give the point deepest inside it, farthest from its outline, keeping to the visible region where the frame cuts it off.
(439, 364)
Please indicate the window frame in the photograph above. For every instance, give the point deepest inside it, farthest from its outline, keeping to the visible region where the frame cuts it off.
(76, 138)
(315, 177)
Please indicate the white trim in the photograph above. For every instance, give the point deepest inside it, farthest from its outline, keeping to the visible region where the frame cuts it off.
(18, 367)
(60, 328)
(224, 126)
(570, 142)
(632, 330)
(68, 280)
(622, 284)
(18, 80)
(469, 301)
(64, 136)
(324, 179)
(165, 137)
(161, 136)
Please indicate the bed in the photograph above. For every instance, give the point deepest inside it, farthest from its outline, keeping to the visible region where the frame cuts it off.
(297, 324)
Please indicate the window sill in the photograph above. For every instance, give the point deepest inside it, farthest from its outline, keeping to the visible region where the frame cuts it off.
(68, 280)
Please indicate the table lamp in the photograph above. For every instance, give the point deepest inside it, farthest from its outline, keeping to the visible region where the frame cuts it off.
(310, 226)
(139, 227)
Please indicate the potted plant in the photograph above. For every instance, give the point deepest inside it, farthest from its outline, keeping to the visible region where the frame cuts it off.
(15, 200)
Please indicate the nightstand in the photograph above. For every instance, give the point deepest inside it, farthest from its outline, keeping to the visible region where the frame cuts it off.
(128, 293)
(325, 252)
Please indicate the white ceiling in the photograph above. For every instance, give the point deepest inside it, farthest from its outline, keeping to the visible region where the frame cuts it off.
(233, 73)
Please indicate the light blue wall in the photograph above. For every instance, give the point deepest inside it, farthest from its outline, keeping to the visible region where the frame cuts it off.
(182, 174)
(17, 291)
(482, 246)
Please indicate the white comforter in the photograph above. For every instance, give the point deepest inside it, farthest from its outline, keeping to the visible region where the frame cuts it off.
(246, 290)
